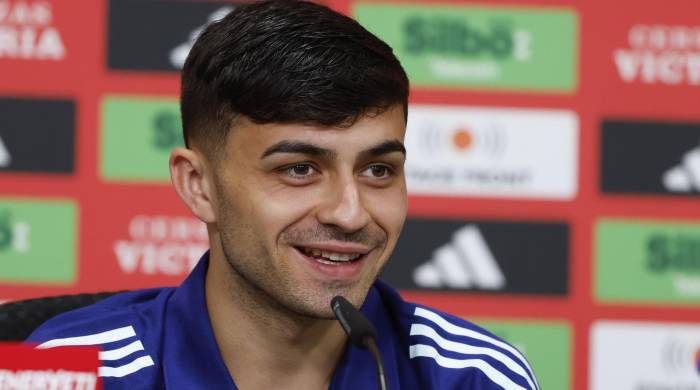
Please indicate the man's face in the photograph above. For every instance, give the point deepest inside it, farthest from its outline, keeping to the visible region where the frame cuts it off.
(307, 213)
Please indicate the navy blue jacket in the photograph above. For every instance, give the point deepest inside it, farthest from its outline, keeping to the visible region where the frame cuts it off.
(162, 339)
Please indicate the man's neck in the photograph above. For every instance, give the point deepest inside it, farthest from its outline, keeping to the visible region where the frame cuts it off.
(266, 346)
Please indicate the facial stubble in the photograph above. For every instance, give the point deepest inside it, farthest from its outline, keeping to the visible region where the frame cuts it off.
(258, 276)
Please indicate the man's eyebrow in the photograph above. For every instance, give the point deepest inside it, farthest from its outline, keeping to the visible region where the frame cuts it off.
(384, 148)
(298, 147)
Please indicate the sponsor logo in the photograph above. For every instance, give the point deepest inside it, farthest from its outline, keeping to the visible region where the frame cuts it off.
(660, 54)
(638, 355)
(477, 46)
(481, 256)
(659, 262)
(5, 157)
(14, 235)
(161, 245)
(27, 31)
(678, 355)
(144, 129)
(67, 368)
(30, 379)
(37, 241)
(547, 346)
(492, 152)
(650, 157)
(684, 177)
(463, 263)
(179, 54)
(164, 48)
(37, 143)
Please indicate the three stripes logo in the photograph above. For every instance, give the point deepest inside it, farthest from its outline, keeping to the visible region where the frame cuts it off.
(5, 157)
(163, 49)
(481, 256)
(126, 354)
(457, 347)
(645, 157)
(179, 54)
(37, 143)
(465, 262)
(684, 177)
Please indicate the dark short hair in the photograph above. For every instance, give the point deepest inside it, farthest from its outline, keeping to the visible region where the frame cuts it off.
(286, 62)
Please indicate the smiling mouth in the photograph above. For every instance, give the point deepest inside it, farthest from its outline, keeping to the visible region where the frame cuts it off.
(328, 257)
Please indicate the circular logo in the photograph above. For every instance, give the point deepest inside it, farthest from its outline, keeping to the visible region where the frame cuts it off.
(462, 139)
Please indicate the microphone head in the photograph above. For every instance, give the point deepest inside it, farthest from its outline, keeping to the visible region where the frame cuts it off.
(356, 325)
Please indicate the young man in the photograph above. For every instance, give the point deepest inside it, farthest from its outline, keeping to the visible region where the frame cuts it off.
(294, 118)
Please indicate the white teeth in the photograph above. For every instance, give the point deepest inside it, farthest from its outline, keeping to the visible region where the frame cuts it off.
(333, 256)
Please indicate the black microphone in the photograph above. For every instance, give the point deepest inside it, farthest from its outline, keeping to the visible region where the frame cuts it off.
(360, 332)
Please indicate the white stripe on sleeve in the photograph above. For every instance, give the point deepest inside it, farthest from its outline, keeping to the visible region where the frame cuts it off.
(116, 354)
(422, 350)
(459, 331)
(424, 330)
(92, 339)
(130, 368)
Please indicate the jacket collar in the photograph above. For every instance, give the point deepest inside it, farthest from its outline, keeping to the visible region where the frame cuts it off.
(192, 359)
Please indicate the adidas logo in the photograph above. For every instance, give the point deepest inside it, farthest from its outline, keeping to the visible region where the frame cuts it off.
(684, 177)
(179, 54)
(465, 262)
(5, 158)
(125, 356)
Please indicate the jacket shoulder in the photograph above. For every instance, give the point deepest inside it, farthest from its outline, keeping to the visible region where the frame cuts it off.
(449, 352)
(457, 353)
(120, 308)
(127, 327)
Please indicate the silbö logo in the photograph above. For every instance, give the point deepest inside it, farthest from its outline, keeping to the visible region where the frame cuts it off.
(463, 51)
(679, 256)
(14, 235)
(167, 131)
(485, 47)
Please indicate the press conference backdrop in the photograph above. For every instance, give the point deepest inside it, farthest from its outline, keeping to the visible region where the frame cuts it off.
(553, 167)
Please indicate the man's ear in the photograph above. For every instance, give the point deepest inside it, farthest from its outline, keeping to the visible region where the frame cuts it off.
(188, 174)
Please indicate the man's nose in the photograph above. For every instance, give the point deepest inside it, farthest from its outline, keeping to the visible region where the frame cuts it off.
(343, 206)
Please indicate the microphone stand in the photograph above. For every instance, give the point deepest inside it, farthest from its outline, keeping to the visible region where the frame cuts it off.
(372, 346)
(360, 332)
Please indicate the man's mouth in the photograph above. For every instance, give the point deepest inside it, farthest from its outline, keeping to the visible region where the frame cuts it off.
(328, 257)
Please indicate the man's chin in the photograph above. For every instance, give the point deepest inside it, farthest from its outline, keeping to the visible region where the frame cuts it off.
(320, 306)
(315, 312)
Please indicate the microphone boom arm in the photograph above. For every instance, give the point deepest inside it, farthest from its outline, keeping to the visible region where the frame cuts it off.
(360, 332)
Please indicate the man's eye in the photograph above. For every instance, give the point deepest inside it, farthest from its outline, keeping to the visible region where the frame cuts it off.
(300, 170)
(378, 171)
